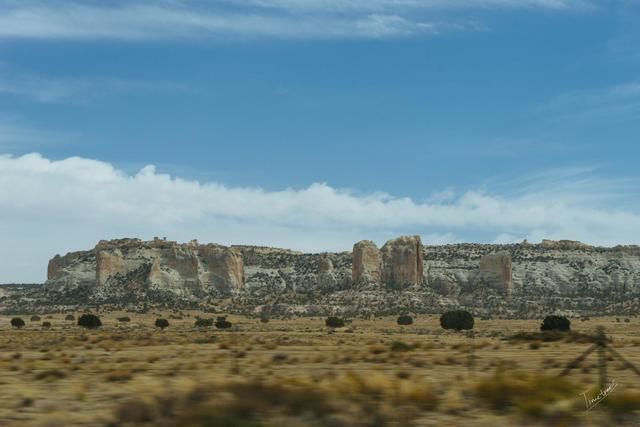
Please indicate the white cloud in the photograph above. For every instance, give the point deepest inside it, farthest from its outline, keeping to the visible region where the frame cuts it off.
(49, 207)
(315, 19)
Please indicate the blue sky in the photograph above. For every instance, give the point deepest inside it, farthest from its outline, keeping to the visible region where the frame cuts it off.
(314, 123)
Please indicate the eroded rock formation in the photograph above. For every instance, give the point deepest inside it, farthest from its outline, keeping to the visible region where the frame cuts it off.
(403, 261)
(367, 263)
(127, 267)
(403, 276)
(495, 269)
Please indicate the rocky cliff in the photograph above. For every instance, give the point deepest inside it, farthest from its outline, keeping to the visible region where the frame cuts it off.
(518, 279)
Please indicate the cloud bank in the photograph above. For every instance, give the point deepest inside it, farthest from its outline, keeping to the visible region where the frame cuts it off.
(291, 19)
(55, 206)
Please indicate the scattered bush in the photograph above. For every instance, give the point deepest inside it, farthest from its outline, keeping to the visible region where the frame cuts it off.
(334, 322)
(555, 323)
(124, 319)
(203, 323)
(89, 321)
(222, 323)
(35, 318)
(405, 320)
(162, 323)
(264, 319)
(17, 322)
(70, 317)
(457, 319)
(46, 324)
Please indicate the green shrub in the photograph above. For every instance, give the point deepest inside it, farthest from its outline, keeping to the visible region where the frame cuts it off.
(203, 323)
(222, 323)
(124, 319)
(162, 323)
(35, 318)
(334, 322)
(405, 320)
(17, 322)
(46, 325)
(89, 321)
(456, 319)
(555, 323)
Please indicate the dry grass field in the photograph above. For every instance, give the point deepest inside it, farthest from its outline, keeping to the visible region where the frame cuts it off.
(298, 373)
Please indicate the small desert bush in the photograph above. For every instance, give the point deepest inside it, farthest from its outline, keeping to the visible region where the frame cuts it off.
(203, 323)
(334, 322)
(89, 321)
(70, 317)
(456, 319)
(222, 323)
(555, 323)
(162, 323)
(124, 319)
(405, 320)
(35, 318)
(17, 322)
(46, 325)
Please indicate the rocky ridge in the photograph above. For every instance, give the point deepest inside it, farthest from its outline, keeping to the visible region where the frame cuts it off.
(521, 280)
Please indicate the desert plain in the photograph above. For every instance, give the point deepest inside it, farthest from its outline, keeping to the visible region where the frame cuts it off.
(298, 372)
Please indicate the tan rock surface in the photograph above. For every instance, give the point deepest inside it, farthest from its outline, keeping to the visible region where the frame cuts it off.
(403, 261)
(366, 262)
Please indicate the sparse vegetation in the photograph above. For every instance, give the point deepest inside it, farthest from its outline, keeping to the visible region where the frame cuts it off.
(457, 320)
(203, 323)
(555, 323)
(17, 323)
(124, 319)
(388, 375)
(222, 323)
(334, 322)
(46, 325)
(89, 321)
(70, 317)
(162, 323)
(35, 318)
(404, 320)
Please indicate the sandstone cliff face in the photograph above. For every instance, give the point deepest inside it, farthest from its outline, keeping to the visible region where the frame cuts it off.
(76, 269)
(522, 279)
(130, 267)
(367, 263)
(403, 262)
(495, 271)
